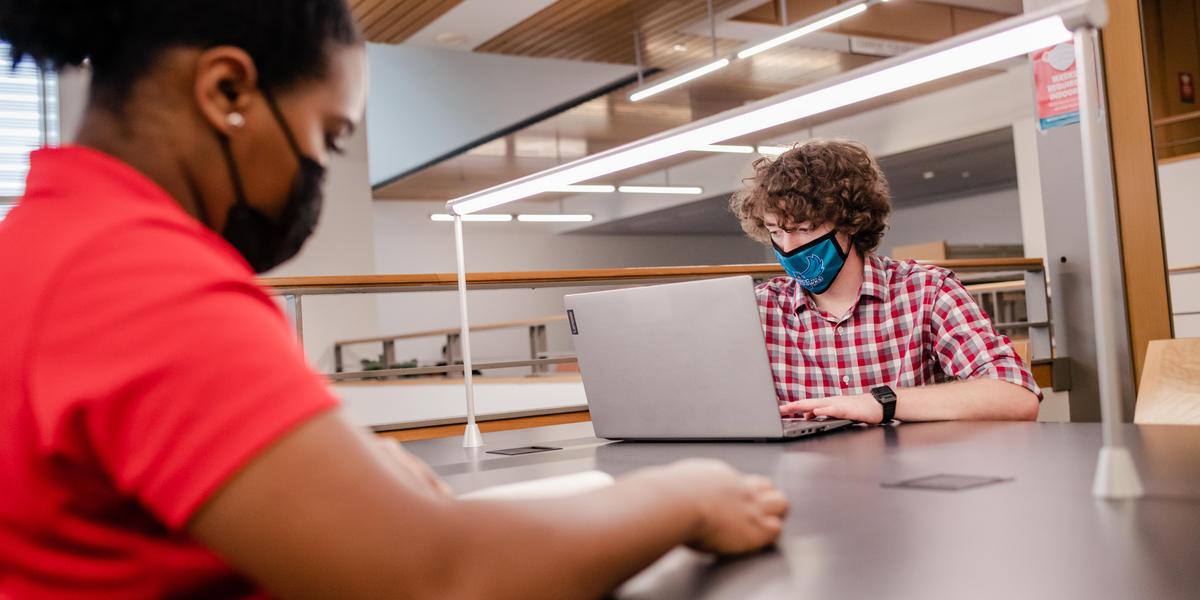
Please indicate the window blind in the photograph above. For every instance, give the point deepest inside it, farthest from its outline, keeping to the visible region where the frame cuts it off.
(28, 120)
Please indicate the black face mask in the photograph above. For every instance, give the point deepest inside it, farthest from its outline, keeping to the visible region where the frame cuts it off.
(265, 242)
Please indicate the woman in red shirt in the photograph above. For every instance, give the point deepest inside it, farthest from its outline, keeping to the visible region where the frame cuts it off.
(162, 434)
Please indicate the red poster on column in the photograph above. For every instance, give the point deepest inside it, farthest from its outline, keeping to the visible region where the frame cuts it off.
(1056, 84)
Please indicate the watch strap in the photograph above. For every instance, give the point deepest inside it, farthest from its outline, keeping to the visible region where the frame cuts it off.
(887, 400)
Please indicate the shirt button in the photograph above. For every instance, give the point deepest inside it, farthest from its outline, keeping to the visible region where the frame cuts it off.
(845, 379)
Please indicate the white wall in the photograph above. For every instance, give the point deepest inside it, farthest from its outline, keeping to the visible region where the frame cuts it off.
(343, 244)
(1029, 187)
(72, 99)
(980, 106)
(1178, 184)
(380, 405)
(407, 242)
(989, 218)
(425, 102)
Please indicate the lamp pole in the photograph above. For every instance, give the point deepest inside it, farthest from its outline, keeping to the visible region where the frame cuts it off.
(472, 438)
(1116, 475)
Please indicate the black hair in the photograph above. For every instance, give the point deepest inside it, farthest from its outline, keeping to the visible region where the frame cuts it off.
(289, 40)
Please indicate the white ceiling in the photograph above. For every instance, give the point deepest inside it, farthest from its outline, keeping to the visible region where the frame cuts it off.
(964, 167)
(1001, 6)
(477, 21)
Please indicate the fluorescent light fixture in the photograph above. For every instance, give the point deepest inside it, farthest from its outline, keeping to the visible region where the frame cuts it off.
(679, 80)
(444, 218)
(725, 148)
(799, 32)
(555, 218)
(772, 150)
(999, 41)
(814, 23)
(584, 189)
(660, 189)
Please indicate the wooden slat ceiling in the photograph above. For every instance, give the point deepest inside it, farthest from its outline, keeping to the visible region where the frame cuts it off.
(393, 21)
(910, 21)
(601, 30)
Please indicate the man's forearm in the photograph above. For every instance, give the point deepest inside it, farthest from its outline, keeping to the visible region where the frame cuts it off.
(976, 399)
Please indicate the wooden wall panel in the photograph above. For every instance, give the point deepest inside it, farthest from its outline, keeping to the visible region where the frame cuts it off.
(1172, 32)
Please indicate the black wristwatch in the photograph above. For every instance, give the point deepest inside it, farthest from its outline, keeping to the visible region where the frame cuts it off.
(887, 399)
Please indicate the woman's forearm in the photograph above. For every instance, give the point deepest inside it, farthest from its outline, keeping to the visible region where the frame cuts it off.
(579, 547)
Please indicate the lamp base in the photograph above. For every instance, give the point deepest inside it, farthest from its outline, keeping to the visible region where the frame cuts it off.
(472, 438)
(1116, 475)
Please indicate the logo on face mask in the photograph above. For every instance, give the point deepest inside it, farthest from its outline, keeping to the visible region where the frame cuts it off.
(814, 265)
(267, 242)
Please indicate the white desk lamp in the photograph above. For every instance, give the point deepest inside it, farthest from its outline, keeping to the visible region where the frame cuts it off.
(1116, 475)
(472, 438)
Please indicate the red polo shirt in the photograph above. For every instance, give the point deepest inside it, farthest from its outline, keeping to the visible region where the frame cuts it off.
(140, 367)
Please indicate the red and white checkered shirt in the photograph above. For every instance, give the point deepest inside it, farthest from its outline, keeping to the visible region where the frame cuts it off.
(912, 325)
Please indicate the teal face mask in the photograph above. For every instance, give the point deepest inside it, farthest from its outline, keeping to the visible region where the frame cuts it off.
(814, 265)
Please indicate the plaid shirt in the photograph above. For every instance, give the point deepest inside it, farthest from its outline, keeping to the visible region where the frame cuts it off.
(912, 325)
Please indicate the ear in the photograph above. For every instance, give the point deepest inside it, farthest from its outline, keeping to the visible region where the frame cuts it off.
(226, 80)
(846, 239)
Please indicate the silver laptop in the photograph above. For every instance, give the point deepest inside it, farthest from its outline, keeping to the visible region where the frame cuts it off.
(681, 361)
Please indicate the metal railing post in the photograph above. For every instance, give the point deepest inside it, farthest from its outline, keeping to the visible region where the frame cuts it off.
(296, 316)
(1037, 310)
(389, 354)
(537, 347)
(452, 351)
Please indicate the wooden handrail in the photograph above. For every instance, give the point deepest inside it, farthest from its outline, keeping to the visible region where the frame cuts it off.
(1184, 269)
(455, 330)
(343, 284)
(997, 286)
(1171, 120)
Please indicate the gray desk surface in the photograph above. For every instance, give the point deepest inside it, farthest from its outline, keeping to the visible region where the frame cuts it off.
(1040, 535)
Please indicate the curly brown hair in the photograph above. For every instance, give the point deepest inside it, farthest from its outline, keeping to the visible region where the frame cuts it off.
(819, 181)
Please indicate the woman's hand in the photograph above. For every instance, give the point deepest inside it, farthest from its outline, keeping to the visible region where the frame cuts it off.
(410, 469)
(737, 513)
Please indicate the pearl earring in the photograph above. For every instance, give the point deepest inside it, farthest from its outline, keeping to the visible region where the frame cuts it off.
(235, 120)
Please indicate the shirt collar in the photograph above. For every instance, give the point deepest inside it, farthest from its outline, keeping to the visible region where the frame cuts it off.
(92, 172)
(875, 282)
(874, 285)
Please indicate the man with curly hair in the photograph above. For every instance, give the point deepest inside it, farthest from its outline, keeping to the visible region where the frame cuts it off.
(855, 335)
